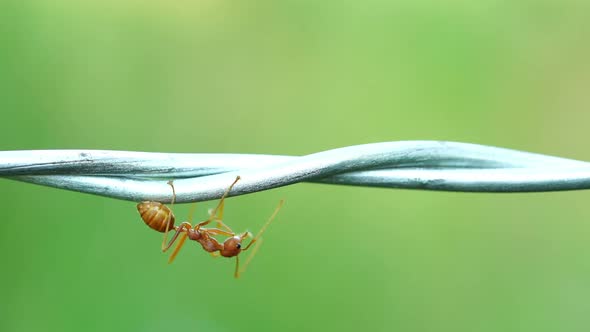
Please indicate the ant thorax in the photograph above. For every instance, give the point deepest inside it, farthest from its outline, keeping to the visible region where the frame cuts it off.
(209, 243)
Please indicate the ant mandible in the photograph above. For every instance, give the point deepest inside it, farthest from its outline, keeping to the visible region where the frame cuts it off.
(161, 218)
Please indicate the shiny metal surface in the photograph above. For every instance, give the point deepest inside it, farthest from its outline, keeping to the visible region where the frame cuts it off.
(428, 165)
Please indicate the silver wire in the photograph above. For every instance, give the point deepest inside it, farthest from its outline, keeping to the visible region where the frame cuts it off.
(428, 165)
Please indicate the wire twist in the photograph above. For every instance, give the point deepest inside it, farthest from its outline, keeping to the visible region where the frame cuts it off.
(428, 165)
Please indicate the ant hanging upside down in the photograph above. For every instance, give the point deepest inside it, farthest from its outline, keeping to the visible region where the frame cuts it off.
(160, 218)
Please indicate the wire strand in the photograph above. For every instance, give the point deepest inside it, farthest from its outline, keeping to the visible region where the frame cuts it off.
(428, 165)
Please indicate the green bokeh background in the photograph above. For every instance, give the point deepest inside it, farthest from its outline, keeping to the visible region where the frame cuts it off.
(296, 77)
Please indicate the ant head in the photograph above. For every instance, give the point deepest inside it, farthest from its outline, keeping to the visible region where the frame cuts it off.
(232, 246)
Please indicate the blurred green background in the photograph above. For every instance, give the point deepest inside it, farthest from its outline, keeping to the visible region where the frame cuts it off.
(297, 77)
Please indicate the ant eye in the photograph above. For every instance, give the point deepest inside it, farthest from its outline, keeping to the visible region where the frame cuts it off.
(238, 245)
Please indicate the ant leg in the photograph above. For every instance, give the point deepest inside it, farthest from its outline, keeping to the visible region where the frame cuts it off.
(185, 226)
(237, 270)
(168, 218)
(191, 212)
(257, 237)
(178, 246)
(214, 213)
(216, 231)
(219, 218)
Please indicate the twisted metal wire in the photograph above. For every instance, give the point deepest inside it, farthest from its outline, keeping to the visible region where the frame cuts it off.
(428, 165)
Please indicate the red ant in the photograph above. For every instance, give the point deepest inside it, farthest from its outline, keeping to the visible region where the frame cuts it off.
(160, 218)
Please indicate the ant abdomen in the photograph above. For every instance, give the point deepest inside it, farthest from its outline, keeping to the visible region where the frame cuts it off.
(155, 214)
